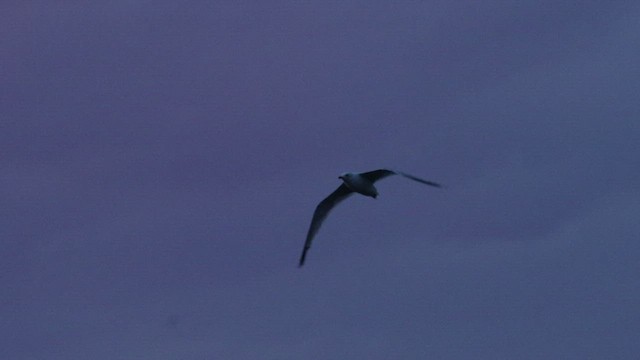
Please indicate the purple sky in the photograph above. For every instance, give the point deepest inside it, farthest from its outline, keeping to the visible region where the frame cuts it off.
(160, 163)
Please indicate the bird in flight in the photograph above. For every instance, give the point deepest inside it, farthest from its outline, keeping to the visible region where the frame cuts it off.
(361, 183)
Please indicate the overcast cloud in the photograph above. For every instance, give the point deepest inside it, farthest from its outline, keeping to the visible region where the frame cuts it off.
(160, 162)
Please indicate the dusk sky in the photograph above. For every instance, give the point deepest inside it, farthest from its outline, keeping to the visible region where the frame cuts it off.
(160, 162)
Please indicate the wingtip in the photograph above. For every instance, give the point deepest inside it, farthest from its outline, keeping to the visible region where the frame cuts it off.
(302, 257)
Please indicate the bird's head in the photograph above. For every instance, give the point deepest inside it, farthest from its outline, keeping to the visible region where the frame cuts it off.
(344, 176)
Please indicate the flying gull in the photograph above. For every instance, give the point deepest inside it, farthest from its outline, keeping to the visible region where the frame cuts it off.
(361, 183)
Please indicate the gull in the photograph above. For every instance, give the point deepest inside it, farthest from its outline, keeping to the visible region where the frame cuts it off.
(361, 183)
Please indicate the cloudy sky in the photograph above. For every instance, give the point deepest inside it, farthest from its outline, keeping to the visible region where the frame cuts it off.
(160, 162)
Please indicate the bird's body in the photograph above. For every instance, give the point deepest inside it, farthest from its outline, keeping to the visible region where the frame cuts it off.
(362, 183)
(359, 184)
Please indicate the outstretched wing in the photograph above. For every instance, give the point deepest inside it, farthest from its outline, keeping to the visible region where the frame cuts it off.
(426, 182)
(322, 210)
(376, 175)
